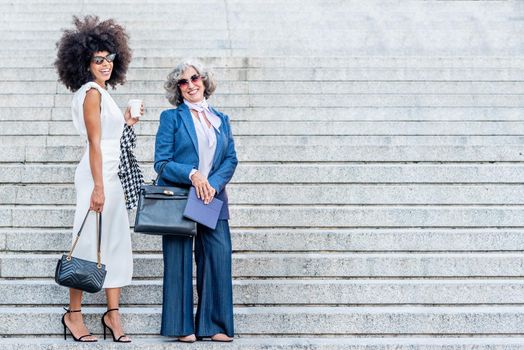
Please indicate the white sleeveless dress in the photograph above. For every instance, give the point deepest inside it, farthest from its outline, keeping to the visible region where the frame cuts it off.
(116, 240)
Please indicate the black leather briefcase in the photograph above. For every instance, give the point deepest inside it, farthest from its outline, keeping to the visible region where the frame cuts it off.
(160, 210)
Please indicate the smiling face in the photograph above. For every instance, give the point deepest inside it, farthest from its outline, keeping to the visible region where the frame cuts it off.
(101, 72)
(191, 86)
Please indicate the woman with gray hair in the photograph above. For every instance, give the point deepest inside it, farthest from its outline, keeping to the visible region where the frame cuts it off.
(194, 147)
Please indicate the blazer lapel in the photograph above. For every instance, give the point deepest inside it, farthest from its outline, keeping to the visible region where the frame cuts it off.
(187, 119)
(220, 137)
(220, 143)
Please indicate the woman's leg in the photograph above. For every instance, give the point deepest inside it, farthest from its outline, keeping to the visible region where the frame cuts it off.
(214, 281)
(112, 319)
(177, 305)
(74, 320)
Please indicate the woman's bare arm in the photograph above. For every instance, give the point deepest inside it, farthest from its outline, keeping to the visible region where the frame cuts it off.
(93, 127)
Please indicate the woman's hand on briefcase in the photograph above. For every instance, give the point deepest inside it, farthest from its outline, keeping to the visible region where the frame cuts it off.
(203, 189)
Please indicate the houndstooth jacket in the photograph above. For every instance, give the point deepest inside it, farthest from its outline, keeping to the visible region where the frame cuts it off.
(128, 170)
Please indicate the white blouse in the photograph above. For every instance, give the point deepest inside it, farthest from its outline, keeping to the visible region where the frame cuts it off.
(206, 136)
(206, 152)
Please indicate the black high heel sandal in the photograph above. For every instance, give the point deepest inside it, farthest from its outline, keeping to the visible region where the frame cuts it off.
(79, 339)
(119, 340)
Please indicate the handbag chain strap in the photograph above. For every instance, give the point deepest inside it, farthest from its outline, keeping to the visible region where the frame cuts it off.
(98, 238)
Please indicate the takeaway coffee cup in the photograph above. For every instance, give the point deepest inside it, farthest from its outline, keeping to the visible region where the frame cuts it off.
(135, 105)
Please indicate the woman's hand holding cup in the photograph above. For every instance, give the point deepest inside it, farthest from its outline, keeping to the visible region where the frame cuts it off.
(134, 110)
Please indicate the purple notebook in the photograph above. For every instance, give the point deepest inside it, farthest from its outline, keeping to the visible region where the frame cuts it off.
(205, 214)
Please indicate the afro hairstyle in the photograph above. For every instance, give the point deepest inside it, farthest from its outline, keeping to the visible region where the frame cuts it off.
(76, 48)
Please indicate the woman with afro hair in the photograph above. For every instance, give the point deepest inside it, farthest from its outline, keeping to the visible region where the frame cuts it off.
(91, 57)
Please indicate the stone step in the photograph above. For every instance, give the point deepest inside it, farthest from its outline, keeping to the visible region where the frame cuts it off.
(313, 173)
(287, 265)
(380, 62)
(63, 11)
(325, 216)
(290, 100)
(305, 240)
(408, 320)
(113, 6)
(218, 62)
(250, 6)
(178, 42)
(299, 153)
(256, 12)
(233, 37)
(272, 343)
(178, 36)
(314, 194)
(297, 74)
(476, 9)
(303, 114)
(298, 39)
(292, 292)
(281, 140)
(314, 100)
(287, 87)
(365, 62)
(174, 33)
(236, 36)
(259, 12)
(147, 16)
(52, 36)
(259, 44)
(284, 39)
(239, 50)
(297, 128)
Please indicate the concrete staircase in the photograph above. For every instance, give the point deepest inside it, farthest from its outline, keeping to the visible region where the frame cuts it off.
(378, 203)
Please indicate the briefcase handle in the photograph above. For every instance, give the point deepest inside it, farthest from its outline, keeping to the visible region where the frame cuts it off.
(162, 167)
(98, 235)
(155, 181)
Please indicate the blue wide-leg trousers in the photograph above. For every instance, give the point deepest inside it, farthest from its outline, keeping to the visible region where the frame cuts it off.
(214, 312)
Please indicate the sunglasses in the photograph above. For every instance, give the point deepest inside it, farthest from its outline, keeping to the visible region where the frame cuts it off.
(98, 60)
(184, 83)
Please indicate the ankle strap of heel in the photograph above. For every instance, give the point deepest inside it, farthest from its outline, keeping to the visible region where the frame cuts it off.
(109, 310)
(71, 311)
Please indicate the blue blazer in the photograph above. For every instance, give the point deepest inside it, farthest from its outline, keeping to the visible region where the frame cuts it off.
(176, 143)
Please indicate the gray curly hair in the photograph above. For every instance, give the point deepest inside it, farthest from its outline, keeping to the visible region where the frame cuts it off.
(173, 93)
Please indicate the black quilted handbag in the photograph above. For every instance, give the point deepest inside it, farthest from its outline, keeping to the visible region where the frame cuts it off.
(82, 274)
(160, 210)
